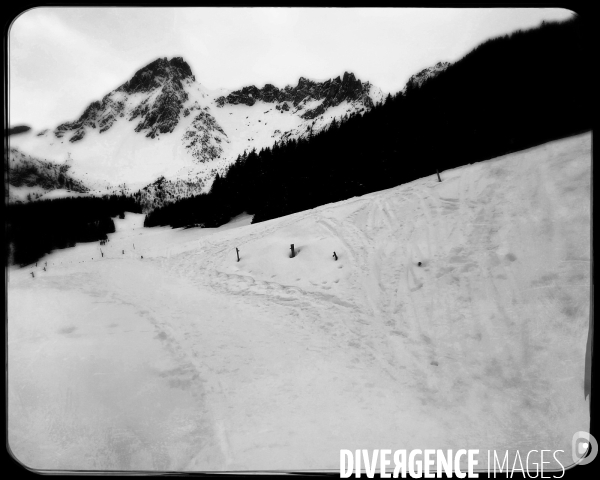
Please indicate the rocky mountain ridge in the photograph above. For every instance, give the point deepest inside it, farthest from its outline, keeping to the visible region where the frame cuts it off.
(162, 124)
(330, 92)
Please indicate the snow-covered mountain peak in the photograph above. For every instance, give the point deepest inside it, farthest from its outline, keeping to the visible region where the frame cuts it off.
(155, 74)
(162, 123)
(155, 95)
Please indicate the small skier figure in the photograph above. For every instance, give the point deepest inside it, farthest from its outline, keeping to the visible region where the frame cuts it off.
(419, 264)
(335, 256)
(44, 269)
(32, 275)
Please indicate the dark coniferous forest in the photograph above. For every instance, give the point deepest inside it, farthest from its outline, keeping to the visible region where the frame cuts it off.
(508, 94)
(36, 228)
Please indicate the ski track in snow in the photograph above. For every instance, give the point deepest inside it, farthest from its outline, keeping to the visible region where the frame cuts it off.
(277, 363)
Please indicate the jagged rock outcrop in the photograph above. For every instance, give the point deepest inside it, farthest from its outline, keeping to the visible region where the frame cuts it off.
(330, 94)
(157, 73)
(162, 114)
(204, 137)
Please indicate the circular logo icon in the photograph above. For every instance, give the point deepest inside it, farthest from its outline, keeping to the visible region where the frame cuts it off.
(584, 448)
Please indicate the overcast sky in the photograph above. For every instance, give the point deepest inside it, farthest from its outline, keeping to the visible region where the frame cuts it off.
(61, 59)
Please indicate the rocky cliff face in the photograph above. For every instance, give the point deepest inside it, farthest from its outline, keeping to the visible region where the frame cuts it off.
(330, 94)
(157, 73)
(159, 113)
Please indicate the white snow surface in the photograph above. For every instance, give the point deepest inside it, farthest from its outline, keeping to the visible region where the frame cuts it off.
(21, 194)
(62, 193)
(189, 360)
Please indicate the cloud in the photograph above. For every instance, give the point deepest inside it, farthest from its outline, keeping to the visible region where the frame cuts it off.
(51, 64)
(61, 59)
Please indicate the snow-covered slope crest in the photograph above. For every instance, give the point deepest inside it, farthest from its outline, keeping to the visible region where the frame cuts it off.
(258, 364)
(418, 79)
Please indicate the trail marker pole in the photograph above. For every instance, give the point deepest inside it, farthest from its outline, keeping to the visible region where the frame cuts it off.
(292, 249)
(438, 174)
(237, 253)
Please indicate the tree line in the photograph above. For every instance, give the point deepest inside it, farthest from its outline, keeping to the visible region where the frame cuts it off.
(36, 228)
(508, 94)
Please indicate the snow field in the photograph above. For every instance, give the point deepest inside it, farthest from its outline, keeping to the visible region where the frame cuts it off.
(190, 360)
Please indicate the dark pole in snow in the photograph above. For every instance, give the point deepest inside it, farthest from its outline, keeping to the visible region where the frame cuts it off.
(292, 249)
(238, 253)
(438, 173)
(335, 256)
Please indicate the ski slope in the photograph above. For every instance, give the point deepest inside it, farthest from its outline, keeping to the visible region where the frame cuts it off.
(186, 359)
